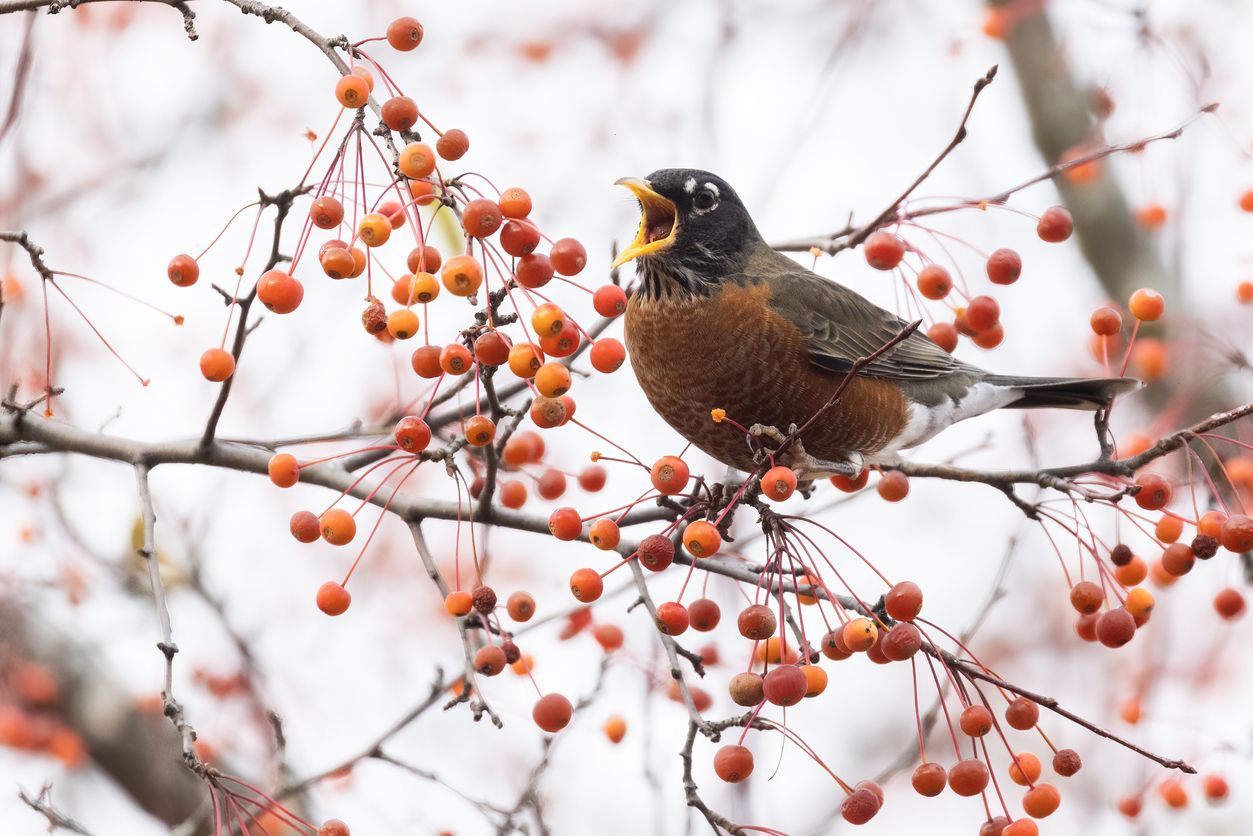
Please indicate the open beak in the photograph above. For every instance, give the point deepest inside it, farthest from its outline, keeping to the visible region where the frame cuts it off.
(659, 221)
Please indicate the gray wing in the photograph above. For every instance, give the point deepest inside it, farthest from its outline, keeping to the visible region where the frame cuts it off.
(843, 326)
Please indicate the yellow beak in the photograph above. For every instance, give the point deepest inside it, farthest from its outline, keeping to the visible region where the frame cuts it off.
(659, 221)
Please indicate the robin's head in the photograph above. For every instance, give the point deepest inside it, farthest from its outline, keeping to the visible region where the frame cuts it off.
(692, 225)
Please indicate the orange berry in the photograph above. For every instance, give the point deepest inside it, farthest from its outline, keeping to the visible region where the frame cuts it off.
(284, 470)
(182, 270)
(420, 287)
(399, 113)
(480, 430)
(333, 827)
(338, 527)
(1172, 792)
(481, 218)
(1154, 493)
(586, 585)
(1168, 529)
(404, 34)
(1021, 827)
(552, 380)
(1244, 292)
(1024, 769)
(352, 91)
(402, 324)
(1215, 788)
(672, 618)
(607, 355)
(565, 524)
(512, 494)
(852, 485)
(1151, 216)
(520, 606)
(968, 777)
(1022, 714)
(426, 362)
(1086, 597)
(455, 358)
(491, 348)
(374, 229)
(453, 144)
(217, 365)
(333, 599)
(548, 320)
(1139, 603)
(604, 534)
(515, 203)
(1146, 305)
(1246, 201)
(525, 359)
(615, 729)
(412, 434)
(669, 475)
(416, 160)
(815, 680)
(1041, 801)
(975, 721)
(778, 483)
(701, 539)
(458, 603)
(1083, 173)
(859, 634)
(929, 779)
(279, 292)
(1106, 322)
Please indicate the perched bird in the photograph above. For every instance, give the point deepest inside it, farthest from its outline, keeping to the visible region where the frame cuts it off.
(719, 319)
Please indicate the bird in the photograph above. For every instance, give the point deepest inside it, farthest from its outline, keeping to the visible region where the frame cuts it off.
(719, 320)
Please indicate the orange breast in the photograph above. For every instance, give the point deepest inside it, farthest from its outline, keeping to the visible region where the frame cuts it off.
(732, 351)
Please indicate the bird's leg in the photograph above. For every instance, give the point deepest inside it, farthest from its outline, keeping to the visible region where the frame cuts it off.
(806, 466)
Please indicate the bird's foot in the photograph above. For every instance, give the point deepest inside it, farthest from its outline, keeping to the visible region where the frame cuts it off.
(807, 467)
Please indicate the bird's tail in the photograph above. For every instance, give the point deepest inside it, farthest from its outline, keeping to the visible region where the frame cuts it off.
(1065, 392)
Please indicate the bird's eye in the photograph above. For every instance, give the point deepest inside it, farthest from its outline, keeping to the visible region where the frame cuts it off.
(704, 200)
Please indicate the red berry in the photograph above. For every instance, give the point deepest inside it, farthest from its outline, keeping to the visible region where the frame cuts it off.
(1004, 266)
(399, 113)
(656, 552)
(453, 144)
(1154, 493)
(1115, 627)
(404, 34)
(733, 763)
(552, 713)
(884, 250)
(983, 313)
(904, 601)
(333, 599)
(785, 685)
(609, 300)
(1055, 225)
(183, 270)
(568, 257)
(934, 282)
(672, 618)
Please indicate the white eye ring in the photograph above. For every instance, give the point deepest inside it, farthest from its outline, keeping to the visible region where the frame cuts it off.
(706, 200)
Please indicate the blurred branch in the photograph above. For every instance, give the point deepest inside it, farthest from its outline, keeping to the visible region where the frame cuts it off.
(55, 6)
(42, 804)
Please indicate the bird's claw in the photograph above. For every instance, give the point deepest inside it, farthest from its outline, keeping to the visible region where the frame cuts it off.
(807, 467)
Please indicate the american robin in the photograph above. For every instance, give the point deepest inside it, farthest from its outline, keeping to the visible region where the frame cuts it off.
(719, 319)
